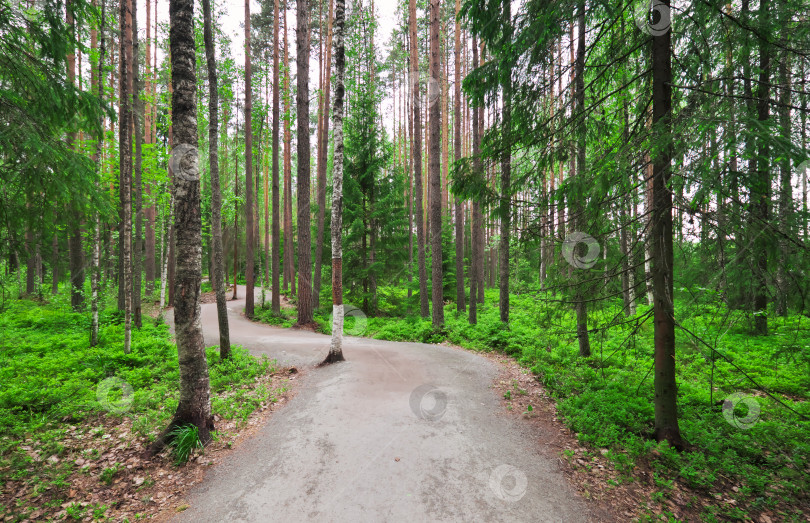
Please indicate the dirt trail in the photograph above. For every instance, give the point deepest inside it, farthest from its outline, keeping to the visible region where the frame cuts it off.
(399, 432)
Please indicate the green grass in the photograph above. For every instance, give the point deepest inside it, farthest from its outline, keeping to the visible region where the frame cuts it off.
(607, 400)
(50, 380)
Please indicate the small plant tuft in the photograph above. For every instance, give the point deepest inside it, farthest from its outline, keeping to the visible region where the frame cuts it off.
(184, 439)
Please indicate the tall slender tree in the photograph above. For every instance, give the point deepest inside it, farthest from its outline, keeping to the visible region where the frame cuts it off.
(305, 312)
(216, 194)
(459, 214)
(416, 150)
(434, 166)
(323, 146)
(275, 299)
(505, 203)
(336, 345)
(477, 247)
(194, 404)
(249, 236)
(661, 250)
(125, 161)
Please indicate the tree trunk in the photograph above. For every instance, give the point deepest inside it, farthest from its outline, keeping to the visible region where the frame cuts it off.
(434, 166)
(323, 147)
(459, 214)
(785, 187)
(249, 283)
(194, 406)
(577, 212)
(125, 162)
(218, 275)
(95, 274)
(55, 264)
(275, 297)
(75, 245)
(137, 128)
(149, 212)
(417, 161)
(305, 313)
(666, 392)
(336, 345)
(761, 186)
(506, 171)
(289, 247)
(477, 247)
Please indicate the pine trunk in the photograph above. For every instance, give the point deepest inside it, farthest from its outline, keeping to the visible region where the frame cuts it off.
(417, 160)
(305, 312)
(661, 250)
(218, 274)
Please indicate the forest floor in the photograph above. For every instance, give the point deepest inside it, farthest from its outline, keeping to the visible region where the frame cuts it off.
(400, 431)
(72, 442)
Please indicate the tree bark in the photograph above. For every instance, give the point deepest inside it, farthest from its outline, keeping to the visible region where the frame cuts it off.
(125, 162)
(323, 148)
(580, 304)
(417, 161)
(459, 214)
(761, 187)
(506, 170)
(289, 247)
(665, 385)
(249, 232)
(137, 128)
(75, 247)
(194, 406)
(305, 313)
(336, 345)
(476, 256)
(434, 165)
(149, 212)
(275, 298)
(216, 194)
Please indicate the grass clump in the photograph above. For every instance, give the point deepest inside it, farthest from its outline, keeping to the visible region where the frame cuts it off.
(184, 439)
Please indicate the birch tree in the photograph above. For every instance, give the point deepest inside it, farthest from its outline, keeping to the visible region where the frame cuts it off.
(336, 346)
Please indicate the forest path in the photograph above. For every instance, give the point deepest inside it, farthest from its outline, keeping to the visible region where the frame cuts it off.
(357, 444)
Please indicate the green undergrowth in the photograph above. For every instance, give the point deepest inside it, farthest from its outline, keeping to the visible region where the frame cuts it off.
(52, 382)
(607, 399)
